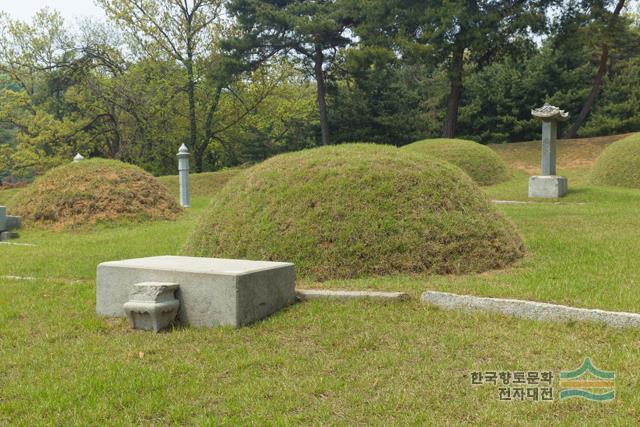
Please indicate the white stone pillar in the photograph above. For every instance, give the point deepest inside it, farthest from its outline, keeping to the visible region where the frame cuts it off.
(183, 172)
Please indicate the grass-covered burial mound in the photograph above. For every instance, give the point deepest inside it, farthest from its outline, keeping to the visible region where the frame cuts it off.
(480, 162)
(93, 191)
(619, 164)
(357, 210)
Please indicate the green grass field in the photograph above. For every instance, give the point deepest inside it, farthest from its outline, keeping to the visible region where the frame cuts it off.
(340, 363)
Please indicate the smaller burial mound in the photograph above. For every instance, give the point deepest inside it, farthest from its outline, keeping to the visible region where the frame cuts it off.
(619, 164)
(94, 191)
(357, 210)
(480, 162)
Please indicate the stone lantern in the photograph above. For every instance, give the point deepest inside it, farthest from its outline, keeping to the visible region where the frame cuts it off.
(548, 184)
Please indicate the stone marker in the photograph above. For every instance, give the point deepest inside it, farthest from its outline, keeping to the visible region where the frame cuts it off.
(212, 292)
(548, 184)
(8, 225)
(531, 309)
(152, 306)
(183, 175)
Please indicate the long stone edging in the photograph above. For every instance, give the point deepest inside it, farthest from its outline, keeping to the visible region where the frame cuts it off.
(533, 202)
(307, 294)
(531, 310)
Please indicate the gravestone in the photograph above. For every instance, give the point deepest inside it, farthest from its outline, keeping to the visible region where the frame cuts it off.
(211, 291)
(548, 184)
(8, 225)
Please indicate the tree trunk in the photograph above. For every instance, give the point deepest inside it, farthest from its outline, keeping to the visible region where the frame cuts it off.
(193, 137)
(455, 92)
(597, 81)
(321, 95)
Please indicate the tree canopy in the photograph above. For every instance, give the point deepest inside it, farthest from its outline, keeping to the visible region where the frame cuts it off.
(239, 81)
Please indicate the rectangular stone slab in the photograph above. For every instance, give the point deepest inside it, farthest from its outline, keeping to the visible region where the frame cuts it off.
(213, 292)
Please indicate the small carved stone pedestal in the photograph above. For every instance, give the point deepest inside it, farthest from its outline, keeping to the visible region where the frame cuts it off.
(152, 306)
(548, 184)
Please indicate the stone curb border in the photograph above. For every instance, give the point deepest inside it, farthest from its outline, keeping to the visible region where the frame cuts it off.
(308, 294)
(530, 309)
(17, 244)
(47, 279)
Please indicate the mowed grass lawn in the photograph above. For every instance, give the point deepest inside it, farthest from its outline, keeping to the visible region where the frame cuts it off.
(344, 363)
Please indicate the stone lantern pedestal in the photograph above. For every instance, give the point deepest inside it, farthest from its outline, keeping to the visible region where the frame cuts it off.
(548, 184)
(552, 186)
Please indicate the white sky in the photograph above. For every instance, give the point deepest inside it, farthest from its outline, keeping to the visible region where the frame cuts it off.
(71, 10)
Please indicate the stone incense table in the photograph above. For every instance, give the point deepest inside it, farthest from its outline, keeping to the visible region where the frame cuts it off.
(210, 291)
(548, 184)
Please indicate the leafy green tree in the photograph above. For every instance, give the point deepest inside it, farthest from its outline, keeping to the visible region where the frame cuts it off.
(605, 26)
(460, 34)
(35, 57)
(181, 30)
(377, 98)
(312, 31)
(283, 121)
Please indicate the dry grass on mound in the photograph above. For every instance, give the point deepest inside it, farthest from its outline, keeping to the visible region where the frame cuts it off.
(357, 210)
(94, 191)
(483, 165)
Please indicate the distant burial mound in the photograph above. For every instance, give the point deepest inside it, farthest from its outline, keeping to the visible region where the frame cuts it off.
(619, 164)
(357, 210)
(204, 184)
(480, 162)
(93, 191)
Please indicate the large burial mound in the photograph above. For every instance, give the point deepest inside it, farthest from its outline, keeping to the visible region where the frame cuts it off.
(357, 210)
(480, 162)
(619, 164)
(92, 191)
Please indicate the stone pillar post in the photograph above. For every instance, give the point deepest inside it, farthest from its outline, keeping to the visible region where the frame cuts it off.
(549, 136)
(183, 171)
(548, 184)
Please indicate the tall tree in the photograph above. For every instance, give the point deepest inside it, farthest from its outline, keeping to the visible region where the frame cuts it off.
(459, 34)
(610, 21)
(38, 59)
(312, 31)
(178, 28)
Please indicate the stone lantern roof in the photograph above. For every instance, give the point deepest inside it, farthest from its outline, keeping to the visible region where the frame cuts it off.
(548, 113)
